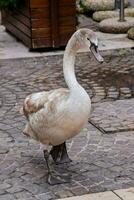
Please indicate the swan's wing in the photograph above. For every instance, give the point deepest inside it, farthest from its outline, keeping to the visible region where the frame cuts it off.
(47, 100)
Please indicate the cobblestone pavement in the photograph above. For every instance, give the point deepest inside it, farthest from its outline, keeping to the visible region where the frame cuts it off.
(114, 116)
(100, 161)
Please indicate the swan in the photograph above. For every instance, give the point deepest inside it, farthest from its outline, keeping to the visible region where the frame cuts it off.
(57, 115)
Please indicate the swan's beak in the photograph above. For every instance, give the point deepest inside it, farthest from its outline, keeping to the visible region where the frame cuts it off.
(95, 52)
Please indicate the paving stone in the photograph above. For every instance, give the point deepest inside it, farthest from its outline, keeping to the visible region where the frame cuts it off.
(4, 149)
(14, 189)
(63, 194)
(7, 196)
(2, 192)
(30, 198)
(79, 191)
(46, 196)
(22, 195)
(4, 186)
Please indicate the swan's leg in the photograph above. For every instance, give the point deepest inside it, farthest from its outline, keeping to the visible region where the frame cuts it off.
(54, 178)
(59, 154)
(46, 156)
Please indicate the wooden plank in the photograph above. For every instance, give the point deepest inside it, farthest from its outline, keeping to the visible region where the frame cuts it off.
(40, 23)
(67, 2)
(41, 43)
(66, 30)
(24, 11)
(54, 23)
(3, 15)
(22, 18)
(67, 21)
(24, 8)
(39, 3)
(40, 13)
(26, 3)
(64, 38)
(18, 34)
(67, 11)
(41, 32)
(19, 25)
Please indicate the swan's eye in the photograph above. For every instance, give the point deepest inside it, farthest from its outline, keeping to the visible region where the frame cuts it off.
(88, 39)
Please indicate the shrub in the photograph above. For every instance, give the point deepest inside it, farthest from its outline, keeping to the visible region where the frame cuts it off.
(10, 4)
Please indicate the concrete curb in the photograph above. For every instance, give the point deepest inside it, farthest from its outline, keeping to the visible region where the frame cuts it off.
(122, 194)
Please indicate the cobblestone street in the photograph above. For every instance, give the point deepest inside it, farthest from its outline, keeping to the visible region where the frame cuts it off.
(103, 154)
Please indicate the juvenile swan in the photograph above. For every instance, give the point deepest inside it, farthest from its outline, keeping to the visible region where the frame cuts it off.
(57, 115)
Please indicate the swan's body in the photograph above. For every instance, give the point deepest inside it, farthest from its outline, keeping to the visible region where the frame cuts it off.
(57, 115)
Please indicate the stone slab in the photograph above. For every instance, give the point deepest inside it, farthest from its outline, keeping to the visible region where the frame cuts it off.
(126, 194)
(97, 196)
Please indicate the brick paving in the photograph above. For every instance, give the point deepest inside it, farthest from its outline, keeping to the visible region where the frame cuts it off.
(100, 161)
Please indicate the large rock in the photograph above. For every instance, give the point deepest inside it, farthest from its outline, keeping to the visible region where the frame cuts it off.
(129, 12)
(96, 5)
(113, 25)
(131, 33)
(101, 15)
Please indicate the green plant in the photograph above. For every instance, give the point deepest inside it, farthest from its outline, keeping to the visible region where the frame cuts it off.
(10, 4)
(83, 7)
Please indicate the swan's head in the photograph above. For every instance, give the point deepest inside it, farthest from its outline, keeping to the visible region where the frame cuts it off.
(88, 39)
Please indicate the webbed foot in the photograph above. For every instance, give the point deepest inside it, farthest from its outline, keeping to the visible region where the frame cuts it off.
(59, 154)
(54, 179)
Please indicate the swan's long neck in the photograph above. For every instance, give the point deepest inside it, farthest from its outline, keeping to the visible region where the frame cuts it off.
(68, 63)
